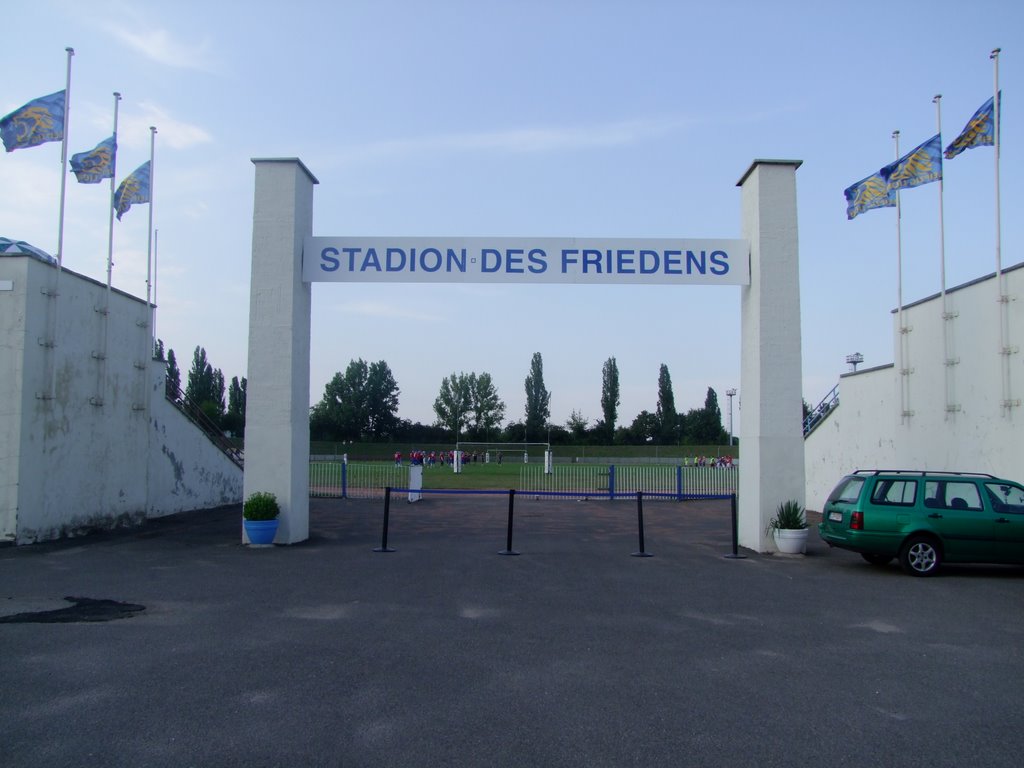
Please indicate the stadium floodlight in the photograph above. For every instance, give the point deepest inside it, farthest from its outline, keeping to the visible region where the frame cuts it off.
(854, 360)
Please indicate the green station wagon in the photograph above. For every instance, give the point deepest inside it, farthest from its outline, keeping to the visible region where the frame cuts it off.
(926, 518)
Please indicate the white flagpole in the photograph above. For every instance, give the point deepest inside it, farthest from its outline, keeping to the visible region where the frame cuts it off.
(149, 247)
(156, 251)
(904, 411)
(995, 115)
(948, 358)
(64, 161)
(1004, 300)
(102, 384)
(51, 341)
(113, 190)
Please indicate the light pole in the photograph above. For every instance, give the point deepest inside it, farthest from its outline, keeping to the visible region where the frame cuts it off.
(854, 359)
(730, 393)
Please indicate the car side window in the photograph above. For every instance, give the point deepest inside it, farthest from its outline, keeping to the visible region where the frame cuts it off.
(1005, 498)
(960, 495)
(902, 492)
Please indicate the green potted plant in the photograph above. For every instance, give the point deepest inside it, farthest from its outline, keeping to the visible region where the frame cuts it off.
(259, 518)
(789, 527)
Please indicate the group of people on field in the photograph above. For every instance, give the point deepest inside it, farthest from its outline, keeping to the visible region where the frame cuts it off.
(432, 459)
(726, 462)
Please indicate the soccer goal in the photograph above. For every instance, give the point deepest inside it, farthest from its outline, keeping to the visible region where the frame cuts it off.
(467, 451)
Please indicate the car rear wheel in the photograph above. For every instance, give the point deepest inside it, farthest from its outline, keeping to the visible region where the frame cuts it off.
(876, 559)
(920, 556)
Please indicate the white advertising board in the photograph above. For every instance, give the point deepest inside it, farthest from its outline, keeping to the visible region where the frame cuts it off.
(592, 261)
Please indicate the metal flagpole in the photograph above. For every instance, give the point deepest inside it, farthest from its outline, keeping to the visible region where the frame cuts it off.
(1004, 300)
(113, 191)
(948, 358)
(149, 247)
(156, 251)
(904, 411)
(51, 341)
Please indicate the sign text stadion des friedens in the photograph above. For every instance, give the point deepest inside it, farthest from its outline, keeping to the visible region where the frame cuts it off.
(525, 260)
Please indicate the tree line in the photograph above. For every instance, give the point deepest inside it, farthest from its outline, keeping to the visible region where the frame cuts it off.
(361, 404)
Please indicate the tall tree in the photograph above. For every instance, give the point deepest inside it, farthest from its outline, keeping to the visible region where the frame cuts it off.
(205, 386)
(172, 381)
(234, 419)
(668, 419)
(538, 399)
(381, 401)
(361, 403)
(610, 397)
(705, 425)
(454, 402)
(488, 409)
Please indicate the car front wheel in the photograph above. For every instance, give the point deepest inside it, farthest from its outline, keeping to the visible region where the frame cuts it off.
(920, 556)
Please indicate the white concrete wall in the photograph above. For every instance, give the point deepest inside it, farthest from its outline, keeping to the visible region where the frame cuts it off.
(80, 450)
(977, 434)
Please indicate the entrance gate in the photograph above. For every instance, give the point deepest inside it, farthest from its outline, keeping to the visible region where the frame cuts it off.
(277, 418)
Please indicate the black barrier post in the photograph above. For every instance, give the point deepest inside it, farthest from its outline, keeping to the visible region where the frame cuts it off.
(640, 524)
(508, 539)
(387, 513)
(735, 554)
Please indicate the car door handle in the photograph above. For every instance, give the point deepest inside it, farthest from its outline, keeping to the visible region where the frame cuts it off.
(1002, 520)
(935, 515)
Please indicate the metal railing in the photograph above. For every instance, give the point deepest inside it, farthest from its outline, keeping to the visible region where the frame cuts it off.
(194, 413)
(821, 411)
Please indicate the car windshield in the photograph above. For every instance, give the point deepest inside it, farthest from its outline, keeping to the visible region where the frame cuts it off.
(847, 491)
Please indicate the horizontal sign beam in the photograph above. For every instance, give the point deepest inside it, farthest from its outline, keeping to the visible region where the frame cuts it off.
(591, 261)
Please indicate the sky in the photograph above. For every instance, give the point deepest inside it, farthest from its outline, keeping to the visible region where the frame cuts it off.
(539, 118)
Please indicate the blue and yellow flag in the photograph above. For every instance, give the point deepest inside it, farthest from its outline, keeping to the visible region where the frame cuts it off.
(921, 165)
(979, 132)
(868, 194)
(134, 189)
(39, 121)
(97, 164)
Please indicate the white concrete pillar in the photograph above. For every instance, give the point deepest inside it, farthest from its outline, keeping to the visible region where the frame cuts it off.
(277, 399)
(771, 430)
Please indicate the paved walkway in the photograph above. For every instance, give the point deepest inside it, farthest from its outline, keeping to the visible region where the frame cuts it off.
(444, 653)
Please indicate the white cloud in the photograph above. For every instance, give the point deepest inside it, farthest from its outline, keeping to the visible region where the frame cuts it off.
(134, 129)
(517, 141)
(159, 46)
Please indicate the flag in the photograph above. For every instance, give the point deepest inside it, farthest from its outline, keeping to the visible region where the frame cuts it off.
(868, 194)
(921, 165)
(39, 121)
(979, 131)
(134, 189)
(97, 164)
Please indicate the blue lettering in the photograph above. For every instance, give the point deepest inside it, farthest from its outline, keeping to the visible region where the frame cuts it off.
(719, 263)
(673, 264)
(592, 258)
(514, 260)
(490, 252)
(568, 259)
(435, 255)
(538, 263)
(328, 255)
(351, 253)
(692, 262)
(391, 264)
(370, 260)
(457, 259)
(653, 268)
(624, 262)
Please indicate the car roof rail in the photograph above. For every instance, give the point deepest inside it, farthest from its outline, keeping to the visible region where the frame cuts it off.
(922, 473)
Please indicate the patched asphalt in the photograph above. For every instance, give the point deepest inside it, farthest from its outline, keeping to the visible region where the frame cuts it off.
(445, 653)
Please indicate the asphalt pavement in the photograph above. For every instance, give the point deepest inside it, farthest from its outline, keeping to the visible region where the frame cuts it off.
(182, 647)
